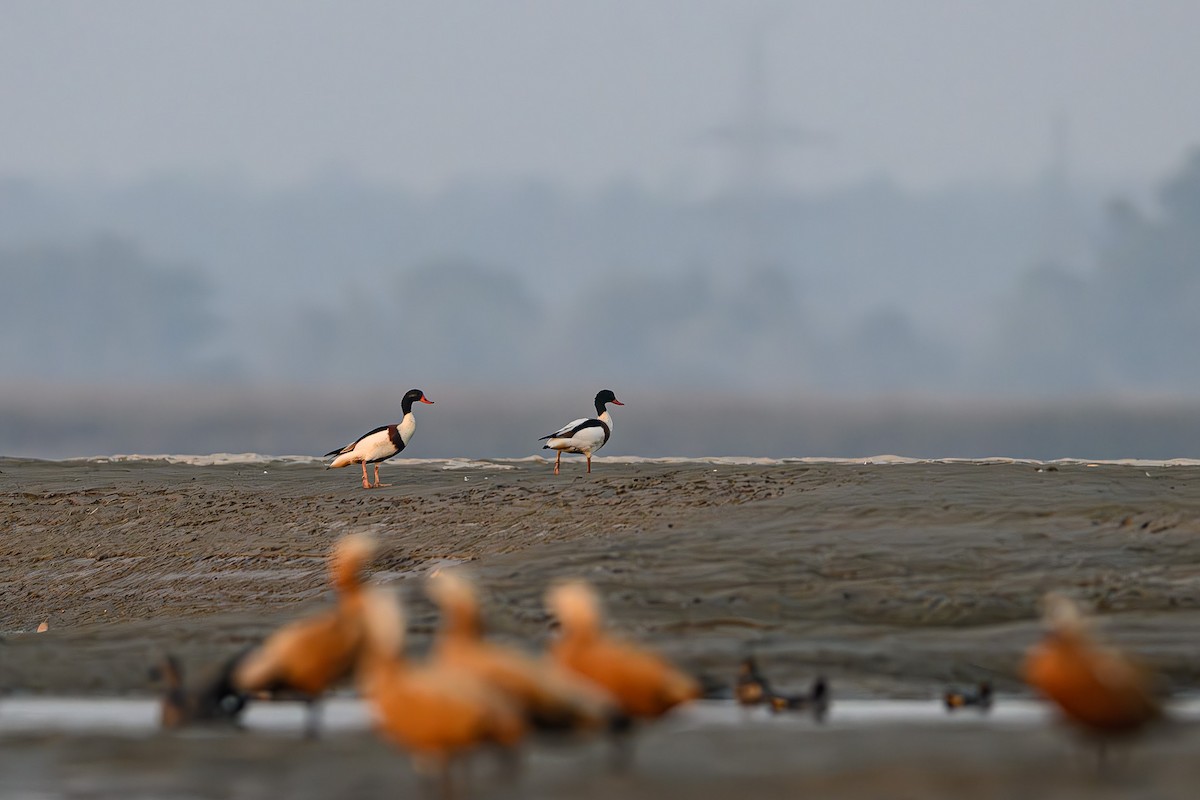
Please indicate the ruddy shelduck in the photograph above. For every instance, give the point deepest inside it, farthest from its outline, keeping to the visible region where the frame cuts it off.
(308, 656)
(643, 683)
(1097, 688)
(552, 697)
(435, 712)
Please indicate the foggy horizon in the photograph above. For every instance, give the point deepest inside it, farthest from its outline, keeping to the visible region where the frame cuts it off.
(788, 201)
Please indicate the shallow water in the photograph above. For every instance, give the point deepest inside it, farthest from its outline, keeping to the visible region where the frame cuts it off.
(81, 715)
(139, 716)
(85, 747)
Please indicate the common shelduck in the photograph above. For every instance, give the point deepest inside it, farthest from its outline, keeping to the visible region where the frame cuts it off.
(585, 435)
(437, 713)
(308, 656)
(551, 697)
(1097, 688)
(643, 684)
(381, 443)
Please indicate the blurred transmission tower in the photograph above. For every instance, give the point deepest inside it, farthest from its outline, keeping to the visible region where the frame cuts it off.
(755, 138)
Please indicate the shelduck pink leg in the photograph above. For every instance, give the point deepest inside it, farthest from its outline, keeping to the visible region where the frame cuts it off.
(379, 485)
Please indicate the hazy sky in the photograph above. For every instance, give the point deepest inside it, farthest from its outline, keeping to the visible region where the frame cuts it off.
(929, 92)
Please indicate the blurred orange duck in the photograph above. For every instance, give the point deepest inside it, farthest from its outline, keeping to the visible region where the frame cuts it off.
(1097, 688)
(552, 697)
(310, 655)
(437, 713)
(643, 684)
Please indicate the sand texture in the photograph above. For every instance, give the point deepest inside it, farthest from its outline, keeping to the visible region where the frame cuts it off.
(893, 580)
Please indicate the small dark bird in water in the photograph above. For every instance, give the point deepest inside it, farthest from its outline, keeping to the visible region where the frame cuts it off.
(174, 702)
(751, 688)
(980, 697)
(214, 700)
(816, 700)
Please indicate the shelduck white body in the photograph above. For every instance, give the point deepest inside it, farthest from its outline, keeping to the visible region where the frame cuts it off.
(382, 443)
(585, 435)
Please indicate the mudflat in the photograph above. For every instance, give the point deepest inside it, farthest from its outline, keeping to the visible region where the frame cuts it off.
(893, 580)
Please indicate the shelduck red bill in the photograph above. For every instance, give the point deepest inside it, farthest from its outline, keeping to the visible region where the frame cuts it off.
(425, 399)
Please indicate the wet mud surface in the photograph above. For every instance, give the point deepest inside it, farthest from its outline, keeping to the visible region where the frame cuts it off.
(893, 580)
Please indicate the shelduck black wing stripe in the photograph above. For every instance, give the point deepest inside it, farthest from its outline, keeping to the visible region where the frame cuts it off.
(588, 423)
(350, 446)
(567, 430)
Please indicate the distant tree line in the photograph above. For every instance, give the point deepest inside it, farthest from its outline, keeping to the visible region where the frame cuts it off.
(112, 308)
(1128, 323)
(102, 311)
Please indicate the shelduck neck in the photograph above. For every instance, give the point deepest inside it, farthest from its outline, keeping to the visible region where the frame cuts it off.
(407, 426)
(601, 410)
(605, 418)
